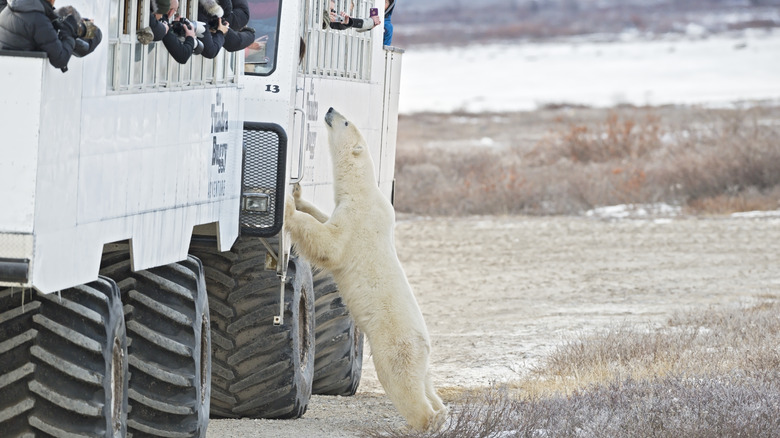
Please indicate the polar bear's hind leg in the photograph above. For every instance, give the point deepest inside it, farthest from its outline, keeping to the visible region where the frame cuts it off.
(402, 375)
(433, 397)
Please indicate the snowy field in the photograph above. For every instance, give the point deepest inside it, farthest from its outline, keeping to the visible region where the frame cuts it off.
(690, 69)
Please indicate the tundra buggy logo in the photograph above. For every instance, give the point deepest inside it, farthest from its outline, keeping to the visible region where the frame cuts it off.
(219, 155)
(219, 116)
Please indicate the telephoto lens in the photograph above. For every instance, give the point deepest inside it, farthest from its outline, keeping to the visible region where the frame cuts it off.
(80, 48)
(198, 47)
(200, 28)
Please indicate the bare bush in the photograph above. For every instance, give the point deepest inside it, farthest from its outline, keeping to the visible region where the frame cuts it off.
(714, 342)
(712, 161)
(704, 374)
(666, 408)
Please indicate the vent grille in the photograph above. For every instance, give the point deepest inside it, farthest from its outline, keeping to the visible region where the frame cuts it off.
(265, 152)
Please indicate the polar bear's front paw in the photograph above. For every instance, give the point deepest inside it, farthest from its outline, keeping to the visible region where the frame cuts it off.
(296, 191)
(289, 207)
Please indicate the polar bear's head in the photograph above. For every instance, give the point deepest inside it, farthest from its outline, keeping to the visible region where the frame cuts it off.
(343, 136)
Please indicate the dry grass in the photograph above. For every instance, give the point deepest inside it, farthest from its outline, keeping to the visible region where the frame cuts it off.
(567, 160)
(712, 343)
(704, 374)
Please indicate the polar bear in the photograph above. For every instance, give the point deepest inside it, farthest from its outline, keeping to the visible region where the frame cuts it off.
(356, 245)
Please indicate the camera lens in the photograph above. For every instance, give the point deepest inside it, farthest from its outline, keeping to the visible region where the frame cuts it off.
(198, 49)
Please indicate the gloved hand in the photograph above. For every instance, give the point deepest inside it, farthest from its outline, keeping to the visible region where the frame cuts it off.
(86, 46)
(69, 26)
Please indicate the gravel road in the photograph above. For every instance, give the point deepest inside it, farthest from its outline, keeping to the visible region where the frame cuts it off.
(499, 293)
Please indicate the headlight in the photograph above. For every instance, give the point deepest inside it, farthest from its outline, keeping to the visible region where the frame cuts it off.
(257, 202)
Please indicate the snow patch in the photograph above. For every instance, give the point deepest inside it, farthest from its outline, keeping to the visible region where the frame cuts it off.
(631, 211)
(757, 214)
(688, 69)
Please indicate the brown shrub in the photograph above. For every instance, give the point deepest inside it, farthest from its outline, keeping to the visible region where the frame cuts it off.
(708, 161)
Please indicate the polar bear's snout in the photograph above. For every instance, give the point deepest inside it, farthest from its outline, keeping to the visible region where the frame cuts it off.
(329, 116)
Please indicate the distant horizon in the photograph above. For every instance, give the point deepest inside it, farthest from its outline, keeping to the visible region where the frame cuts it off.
(498, 77)
(459, 23)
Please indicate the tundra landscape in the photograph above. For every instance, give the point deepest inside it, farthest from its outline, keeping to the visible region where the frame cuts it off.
(632, 305)
(589, 263)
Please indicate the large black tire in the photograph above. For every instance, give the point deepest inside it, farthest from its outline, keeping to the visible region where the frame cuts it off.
(338, 362)
(166, 310)
(259, 370)
(63, 362)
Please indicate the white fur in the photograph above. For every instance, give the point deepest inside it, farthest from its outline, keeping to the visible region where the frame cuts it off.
(356, 245)
(212, 7)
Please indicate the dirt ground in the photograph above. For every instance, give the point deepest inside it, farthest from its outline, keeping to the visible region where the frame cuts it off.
(499, 293)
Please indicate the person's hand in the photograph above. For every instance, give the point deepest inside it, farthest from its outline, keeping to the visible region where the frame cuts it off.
(258, 43)
(345, 18)
(189, 30)
(70, 27)
(223, 26)
(376, 20)
(92, 31)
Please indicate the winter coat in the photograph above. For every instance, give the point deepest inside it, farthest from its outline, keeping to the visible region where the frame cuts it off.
(212, 41)
(238, 15)
(388, 36)
(239, 36)
(181, 51)
(27, 25)
(158, 29)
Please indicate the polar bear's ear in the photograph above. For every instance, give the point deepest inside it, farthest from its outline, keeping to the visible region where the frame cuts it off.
(358, 149)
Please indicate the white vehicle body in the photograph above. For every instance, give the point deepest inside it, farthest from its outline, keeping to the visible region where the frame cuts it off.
(129, 147)
(149, 194)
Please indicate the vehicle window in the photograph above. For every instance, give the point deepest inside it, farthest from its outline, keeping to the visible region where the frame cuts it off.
(338, 53)
(136, 67)
(260, 57)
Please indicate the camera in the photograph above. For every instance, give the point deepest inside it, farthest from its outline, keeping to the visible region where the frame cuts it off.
(338, 18)
(80, 48)
(60, 24)
(178, 29)
(214, 22)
